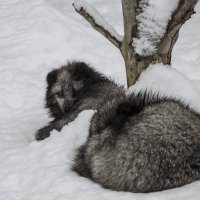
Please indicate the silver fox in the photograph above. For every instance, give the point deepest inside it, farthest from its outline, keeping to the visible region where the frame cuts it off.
(141, 143)
(73, 88)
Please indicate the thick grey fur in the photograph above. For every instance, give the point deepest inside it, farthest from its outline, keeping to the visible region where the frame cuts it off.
(73, 88)
(141, 143)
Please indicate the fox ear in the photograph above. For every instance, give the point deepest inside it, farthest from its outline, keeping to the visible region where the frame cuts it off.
(81, 71)
(51, 77)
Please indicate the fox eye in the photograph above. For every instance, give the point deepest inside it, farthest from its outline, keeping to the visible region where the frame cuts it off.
(60, 94)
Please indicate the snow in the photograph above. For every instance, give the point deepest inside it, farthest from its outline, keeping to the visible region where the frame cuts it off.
(153, 21)
(171, 84)
(39, 35)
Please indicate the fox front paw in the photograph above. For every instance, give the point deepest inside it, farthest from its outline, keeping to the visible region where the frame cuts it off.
(43, 133)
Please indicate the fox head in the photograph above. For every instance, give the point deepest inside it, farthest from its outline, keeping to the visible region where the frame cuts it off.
(64, 86)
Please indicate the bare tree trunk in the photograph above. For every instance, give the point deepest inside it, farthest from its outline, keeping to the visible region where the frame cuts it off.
(130, 25)
(134, 62)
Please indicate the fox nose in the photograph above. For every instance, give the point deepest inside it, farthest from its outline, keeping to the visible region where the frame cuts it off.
(66, 109)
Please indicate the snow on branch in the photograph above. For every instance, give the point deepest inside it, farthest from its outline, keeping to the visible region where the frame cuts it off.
(152, 17)
(181, 14)
(98, 22)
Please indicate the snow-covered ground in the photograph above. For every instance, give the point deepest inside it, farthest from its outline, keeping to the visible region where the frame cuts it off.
(39, 35)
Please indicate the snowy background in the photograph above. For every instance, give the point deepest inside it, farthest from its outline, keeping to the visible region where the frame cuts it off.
(39, 35)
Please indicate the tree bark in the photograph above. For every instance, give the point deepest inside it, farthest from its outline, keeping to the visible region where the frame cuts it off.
(130, 29)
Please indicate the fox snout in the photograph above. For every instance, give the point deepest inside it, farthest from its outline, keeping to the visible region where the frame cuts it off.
(67, 107)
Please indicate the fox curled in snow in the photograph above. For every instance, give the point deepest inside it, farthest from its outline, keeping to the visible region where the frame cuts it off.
(141, 143)
(73, 88)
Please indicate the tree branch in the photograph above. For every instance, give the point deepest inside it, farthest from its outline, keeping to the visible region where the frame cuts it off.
(97, 22)
(180, 15)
